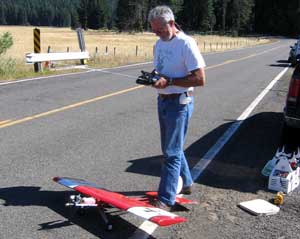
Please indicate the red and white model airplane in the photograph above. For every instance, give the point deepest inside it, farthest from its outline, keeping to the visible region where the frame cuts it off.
(93, 196)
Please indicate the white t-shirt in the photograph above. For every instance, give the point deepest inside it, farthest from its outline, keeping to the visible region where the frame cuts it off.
(177, 58)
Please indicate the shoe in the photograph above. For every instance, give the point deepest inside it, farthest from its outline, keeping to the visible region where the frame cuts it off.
(161, 205)
(186, 190)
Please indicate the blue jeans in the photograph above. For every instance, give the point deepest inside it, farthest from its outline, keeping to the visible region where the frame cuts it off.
(173, 118)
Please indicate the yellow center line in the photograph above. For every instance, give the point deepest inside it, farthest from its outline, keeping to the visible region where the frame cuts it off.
(240, 59)
(8, 123)
(4, 121)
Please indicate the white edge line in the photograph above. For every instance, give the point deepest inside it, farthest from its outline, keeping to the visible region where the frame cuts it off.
(198, 169)
(115, 73)
(216, 148)
(44, 77)
(120, 67)
(246, 113)
(75, 73)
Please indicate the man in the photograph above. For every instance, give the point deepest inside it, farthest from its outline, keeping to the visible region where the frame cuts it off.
(180, 65)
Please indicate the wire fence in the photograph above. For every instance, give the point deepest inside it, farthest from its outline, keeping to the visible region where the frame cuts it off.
(116, 55)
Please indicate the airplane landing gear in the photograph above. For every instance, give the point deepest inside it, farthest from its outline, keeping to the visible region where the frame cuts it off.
(79, 203)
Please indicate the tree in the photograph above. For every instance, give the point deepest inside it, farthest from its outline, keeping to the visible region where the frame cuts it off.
(293, 11)
(112, 16)
(239, 15)
(97, 14)
(123, 21)
(262, 16)
(277, 17)
(139, 16)
(94, 15)
(198, 15)
(74, 19)
(11, 14)
(104, 13)
(2, 15)
(47, 14)
(224, 11)
(83, 13)
(208, 20)
(22, 17)
(66, 20)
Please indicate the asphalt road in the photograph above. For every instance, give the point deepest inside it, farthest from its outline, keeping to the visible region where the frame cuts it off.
(100, 126)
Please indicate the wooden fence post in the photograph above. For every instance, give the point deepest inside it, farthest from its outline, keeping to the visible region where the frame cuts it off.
(96, 54)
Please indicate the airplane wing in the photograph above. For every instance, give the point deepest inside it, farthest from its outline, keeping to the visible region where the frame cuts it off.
(179, 199)
(120, 201)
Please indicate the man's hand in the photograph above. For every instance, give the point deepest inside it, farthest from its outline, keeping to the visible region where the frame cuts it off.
(155, 79)
(161, 83)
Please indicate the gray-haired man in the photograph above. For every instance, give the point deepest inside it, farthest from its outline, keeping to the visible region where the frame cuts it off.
(181, 66)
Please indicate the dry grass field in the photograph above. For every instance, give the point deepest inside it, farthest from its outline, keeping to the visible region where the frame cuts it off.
(112, 48)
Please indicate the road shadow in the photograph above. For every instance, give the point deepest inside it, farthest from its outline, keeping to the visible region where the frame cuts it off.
(238, 165)
(280, 63)
(23, 196)
(151, 165)
(290, 138)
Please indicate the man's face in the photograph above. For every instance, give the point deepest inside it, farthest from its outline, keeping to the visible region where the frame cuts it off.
(162, 29)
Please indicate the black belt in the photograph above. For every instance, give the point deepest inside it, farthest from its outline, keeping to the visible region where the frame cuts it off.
(175, 95)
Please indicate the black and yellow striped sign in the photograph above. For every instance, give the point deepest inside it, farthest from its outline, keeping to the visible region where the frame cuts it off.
(37, 40)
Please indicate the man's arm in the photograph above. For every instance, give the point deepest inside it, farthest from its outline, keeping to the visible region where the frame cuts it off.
(196, 78)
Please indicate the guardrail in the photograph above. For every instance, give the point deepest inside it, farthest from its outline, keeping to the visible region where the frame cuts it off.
(49, 58)
(59, 56)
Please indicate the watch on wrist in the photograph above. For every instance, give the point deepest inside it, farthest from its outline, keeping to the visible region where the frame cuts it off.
(170, 81)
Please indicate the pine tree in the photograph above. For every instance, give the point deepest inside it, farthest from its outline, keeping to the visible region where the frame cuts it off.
(11, 14)
(224, 12)
(239, 15)
(83, 13)
(74, 19)
(97, 14)
(203, 18)
(22, 17)
(66, 20)
(112, 15)
(123, 21)
(262, 16)
(208, 20)
(2, 15)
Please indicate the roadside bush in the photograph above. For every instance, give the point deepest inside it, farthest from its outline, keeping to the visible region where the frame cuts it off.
(7, 64)
(7, 67)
